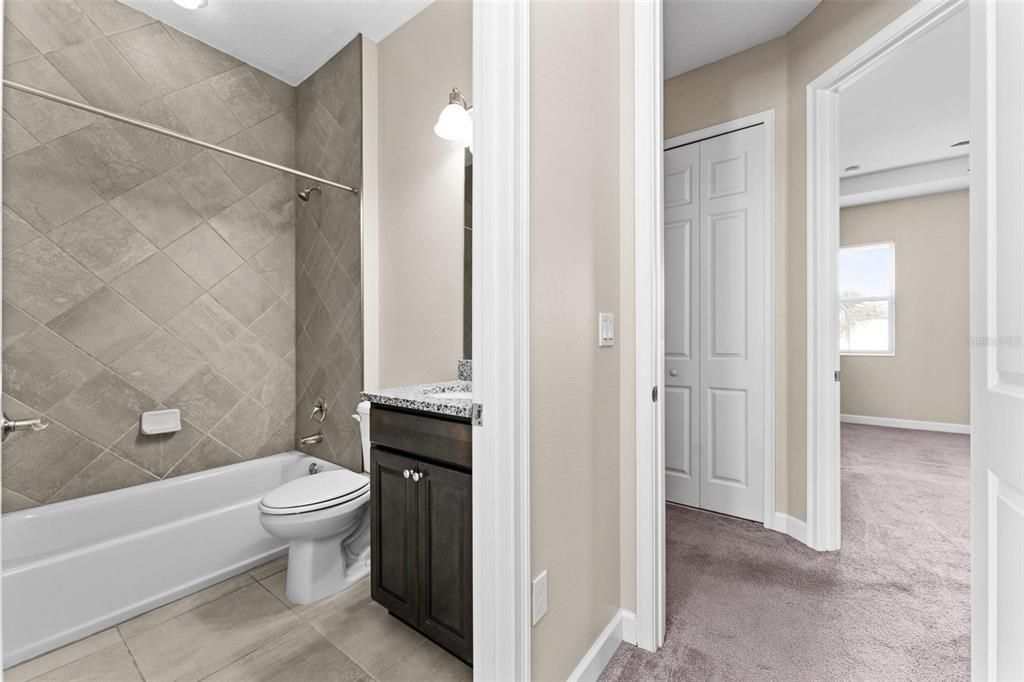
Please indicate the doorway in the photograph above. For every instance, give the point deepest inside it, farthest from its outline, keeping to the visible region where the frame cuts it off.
(717, 318)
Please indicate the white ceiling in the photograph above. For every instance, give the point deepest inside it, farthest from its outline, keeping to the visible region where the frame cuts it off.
(698, 32)
(289, 39)
(913, 106)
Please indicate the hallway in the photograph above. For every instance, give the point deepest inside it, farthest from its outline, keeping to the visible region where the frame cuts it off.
(745, 603)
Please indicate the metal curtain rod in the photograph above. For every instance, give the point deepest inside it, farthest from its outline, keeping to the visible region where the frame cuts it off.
(171, 133)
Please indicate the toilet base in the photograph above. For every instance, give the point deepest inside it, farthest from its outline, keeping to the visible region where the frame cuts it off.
(318, 568)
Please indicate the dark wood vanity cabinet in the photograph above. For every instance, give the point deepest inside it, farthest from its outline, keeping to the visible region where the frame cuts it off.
(421, 524)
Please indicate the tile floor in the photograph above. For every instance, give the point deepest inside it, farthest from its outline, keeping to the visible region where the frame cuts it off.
(246, 629)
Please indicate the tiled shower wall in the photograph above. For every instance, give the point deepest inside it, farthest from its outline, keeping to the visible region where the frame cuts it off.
(327, 237)
(142, 272)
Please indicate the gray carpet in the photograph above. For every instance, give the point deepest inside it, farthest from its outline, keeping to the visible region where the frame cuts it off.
(894, 604)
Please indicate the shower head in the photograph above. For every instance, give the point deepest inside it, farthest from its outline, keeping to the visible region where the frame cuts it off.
(304, 194)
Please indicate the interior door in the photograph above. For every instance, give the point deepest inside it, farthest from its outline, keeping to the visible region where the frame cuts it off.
(682, 377)
(732, 243)
(714, 328)
(997, 344)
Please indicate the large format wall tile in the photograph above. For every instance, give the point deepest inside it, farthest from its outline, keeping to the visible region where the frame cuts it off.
(141, 271)
(328, 300)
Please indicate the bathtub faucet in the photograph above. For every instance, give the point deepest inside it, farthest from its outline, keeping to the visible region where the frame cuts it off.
(314, 439)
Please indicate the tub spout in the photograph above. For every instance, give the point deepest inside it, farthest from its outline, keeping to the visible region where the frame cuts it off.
(314, 439)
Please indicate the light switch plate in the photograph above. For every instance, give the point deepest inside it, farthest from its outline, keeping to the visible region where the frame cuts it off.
(540, 596)
(605, 329)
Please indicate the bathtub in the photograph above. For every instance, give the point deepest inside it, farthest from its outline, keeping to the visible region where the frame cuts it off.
(74, 568)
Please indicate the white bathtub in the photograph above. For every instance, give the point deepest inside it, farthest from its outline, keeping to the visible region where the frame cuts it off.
(74, 568)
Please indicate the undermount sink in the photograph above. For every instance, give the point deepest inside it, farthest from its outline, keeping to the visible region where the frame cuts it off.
(452, 395)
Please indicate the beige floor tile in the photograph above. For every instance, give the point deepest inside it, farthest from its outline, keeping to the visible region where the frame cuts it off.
(427, 663)
(276, 584)
(185, 604)
(366, 633)
(61, 657)
(270, 568)
(300, 655)
(204, 640)
(113, 664)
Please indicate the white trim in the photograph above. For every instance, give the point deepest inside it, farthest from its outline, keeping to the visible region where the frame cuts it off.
(501, 280)
(791, 526)
(767, 119)
(823, 493)
(921, 189)
(893, 423)
(650, 356)
(601, 651)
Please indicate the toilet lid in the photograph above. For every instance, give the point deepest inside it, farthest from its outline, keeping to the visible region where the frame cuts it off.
(319, 491)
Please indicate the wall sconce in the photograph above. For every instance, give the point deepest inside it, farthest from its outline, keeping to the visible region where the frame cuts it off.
(455, 123)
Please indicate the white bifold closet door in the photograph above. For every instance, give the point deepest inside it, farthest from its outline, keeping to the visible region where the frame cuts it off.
(714, 323)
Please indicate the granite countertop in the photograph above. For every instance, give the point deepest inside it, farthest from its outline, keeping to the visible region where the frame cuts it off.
(427, 398)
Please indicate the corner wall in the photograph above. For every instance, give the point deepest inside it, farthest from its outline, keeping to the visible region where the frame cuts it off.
(776, 75)
(328, 276)
(140, 272)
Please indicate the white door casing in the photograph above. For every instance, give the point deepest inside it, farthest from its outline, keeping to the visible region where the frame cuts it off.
(997, 344)
(682, 342)
(715, 224)
(732, 302)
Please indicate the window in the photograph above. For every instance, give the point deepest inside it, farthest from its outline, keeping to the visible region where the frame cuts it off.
(866, 299)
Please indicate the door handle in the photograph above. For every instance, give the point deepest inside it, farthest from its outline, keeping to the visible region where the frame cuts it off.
(12, 425)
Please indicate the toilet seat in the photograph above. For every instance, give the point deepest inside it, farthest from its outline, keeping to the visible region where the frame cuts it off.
(319, 491)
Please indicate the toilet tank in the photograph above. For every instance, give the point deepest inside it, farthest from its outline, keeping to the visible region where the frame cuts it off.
(362, 415)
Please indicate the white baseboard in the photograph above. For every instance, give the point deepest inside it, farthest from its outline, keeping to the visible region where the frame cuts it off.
(944, 427)
(791, 526)
(621, 628)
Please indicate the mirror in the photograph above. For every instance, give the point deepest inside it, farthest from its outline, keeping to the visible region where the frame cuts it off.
(467, 260)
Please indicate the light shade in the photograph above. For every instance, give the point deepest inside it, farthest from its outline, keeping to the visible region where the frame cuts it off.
(190, 4)
(455, 124)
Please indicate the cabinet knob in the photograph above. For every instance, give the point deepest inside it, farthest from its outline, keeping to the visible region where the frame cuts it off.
(416, 476)
(406, 473)
(673, 372)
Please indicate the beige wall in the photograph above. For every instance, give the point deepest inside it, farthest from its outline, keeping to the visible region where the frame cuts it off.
(928, 377)
(574, 254)
(775, 75)
(420, 190)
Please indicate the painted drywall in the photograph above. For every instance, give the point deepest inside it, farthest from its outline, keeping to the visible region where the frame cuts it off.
(140, 271)
(574, 385)
(328, 295)
(928, 377)
(420, 195)
(775, 75)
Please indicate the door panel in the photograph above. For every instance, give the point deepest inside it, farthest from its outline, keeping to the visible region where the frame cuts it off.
(393, 533)
(446, 558)
(732, 243)
(682, 217)
(997, 348)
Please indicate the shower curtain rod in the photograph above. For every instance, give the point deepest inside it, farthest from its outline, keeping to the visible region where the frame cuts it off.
(171, 133)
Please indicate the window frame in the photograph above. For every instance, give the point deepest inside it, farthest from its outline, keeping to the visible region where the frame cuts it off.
(891, 298)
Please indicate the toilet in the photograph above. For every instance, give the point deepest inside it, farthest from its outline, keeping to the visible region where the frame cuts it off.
(326, 519)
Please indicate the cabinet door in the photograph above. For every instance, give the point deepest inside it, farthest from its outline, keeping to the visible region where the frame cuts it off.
(446, 558)
(393, 533)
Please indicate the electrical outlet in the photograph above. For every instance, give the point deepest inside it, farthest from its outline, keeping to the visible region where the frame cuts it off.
(540, 596)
